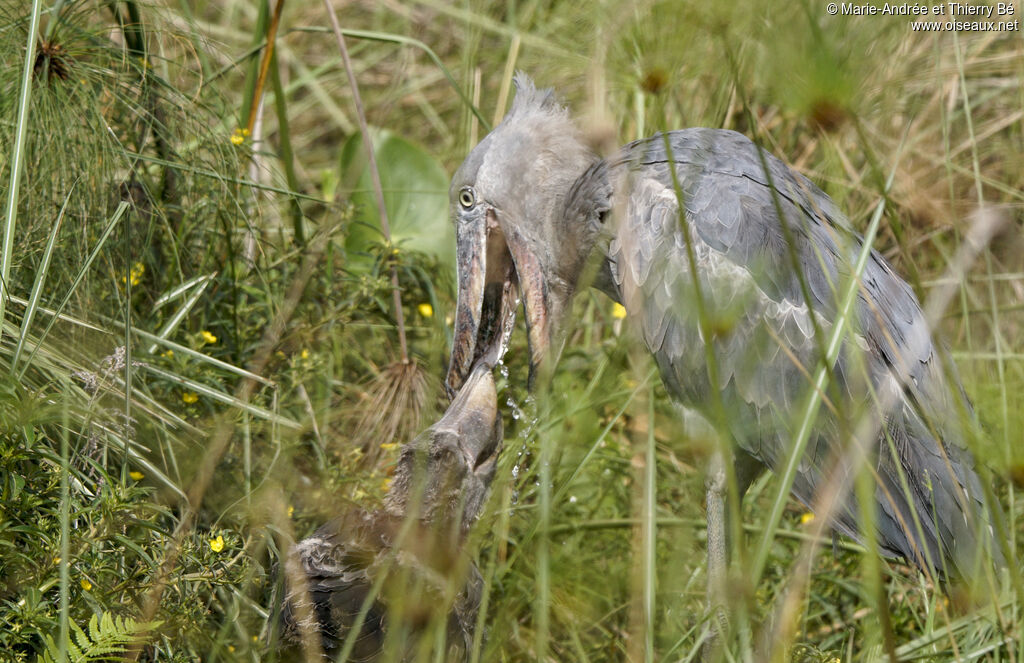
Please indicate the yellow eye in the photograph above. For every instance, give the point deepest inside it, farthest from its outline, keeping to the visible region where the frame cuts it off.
(466, 198)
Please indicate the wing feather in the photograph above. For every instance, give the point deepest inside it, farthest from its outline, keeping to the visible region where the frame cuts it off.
(763, 329)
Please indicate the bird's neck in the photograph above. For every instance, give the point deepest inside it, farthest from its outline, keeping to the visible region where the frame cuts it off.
(585, 209)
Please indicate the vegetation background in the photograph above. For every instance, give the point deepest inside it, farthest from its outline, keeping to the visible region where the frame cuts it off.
(202, 359)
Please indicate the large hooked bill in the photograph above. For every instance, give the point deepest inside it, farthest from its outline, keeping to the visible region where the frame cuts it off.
(487, 300)
(496, 265)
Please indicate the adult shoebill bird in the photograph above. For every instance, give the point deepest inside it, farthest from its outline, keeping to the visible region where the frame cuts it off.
(531, 203)
(439, 487)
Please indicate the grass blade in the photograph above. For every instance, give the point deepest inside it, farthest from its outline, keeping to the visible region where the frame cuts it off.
(180, 290)
(415, 43)
(287, 156)
(65, 525)
(37, 287)
(183, 310)
(227, 399)
(18, 156)
(364, 130)
(118, 213)
(199, 356)
(650, 530)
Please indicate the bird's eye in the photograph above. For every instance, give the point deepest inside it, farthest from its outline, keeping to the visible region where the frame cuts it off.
(466, 198)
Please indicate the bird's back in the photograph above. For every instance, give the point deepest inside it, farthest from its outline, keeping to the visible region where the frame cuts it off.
(754, 225)
(343, 564)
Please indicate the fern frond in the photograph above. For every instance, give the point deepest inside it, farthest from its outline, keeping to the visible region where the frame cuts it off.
(107, 637)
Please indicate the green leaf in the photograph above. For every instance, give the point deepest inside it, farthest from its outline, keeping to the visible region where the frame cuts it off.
(415, 197)
(106, 639)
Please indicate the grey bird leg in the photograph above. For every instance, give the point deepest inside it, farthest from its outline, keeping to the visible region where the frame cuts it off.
(746, 469)
(717, 487)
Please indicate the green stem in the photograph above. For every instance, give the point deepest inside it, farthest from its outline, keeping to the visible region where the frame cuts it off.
(37, 287)
(118, 213)
(287, 155)
(378, 189)
(65, 525)
(261, 76)
(415, 43)
(260, 41)
(650, 530)
(18, 156)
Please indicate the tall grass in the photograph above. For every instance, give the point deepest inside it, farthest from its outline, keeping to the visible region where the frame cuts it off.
(188, 349)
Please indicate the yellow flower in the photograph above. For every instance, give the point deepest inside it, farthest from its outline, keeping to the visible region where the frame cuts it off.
(426, 310)
(245, 132)
(208, 337)
(216, 545)
(304, 354)
(291, 510)
(190, 397)
(618, 311)
(136, 476)
(86, 585)
(168, 354)
(134, 274)
(238, 137)
(385, 485)
(388, 446)
(806, 518)
(231, 649)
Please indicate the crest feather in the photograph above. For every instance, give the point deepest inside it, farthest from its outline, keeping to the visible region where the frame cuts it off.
(530, 98)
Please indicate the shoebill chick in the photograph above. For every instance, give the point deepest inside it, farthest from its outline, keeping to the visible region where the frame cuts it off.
(411, 551)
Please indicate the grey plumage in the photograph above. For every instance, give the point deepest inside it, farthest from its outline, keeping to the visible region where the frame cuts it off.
(767, 348)
(740, 205)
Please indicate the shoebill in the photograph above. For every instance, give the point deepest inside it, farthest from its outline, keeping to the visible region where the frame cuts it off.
(413, 547)
(703, 222)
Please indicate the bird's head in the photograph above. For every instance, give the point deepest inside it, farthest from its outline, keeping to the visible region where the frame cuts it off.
(513, 236)
(444, 475)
